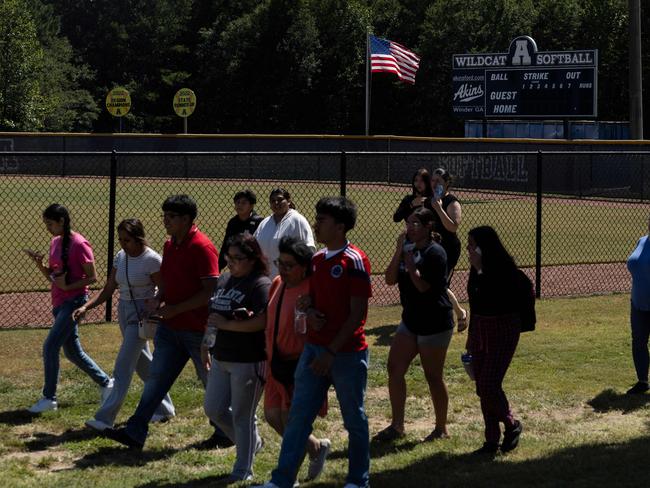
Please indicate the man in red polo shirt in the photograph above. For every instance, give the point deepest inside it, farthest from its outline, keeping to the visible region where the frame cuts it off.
(189, 274)
(336, 352)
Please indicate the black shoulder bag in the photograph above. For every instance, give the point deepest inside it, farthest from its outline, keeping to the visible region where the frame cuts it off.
(282, 370)
(527, 313)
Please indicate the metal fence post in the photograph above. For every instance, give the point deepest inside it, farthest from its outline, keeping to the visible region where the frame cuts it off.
(111, 227)
(343, 175)
(538, 229)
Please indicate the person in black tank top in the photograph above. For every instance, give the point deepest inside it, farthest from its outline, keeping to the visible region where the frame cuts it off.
(448, 215)
(420, 196)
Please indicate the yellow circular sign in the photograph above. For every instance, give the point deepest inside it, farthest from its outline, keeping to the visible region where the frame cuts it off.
(184, 102)
(118, 102)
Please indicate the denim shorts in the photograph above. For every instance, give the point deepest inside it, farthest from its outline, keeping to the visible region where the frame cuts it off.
(439, 339)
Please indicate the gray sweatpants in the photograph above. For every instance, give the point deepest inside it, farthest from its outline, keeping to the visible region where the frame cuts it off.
(134, 356)
(231, 398)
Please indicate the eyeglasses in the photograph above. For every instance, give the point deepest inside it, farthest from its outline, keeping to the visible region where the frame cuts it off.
(235, 259)
(170, 215)
(283, 264)
(415, 225)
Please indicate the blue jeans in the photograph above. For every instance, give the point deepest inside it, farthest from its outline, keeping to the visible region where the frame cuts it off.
(640, 321)
(173, 348)
(349, 375)
(65, 333)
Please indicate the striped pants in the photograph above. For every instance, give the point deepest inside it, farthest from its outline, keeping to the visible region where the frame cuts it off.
(492, 342)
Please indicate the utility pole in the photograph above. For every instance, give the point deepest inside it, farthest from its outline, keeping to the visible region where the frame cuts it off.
(636, 97)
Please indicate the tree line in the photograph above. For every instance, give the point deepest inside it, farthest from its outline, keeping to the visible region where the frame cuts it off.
(278, 66)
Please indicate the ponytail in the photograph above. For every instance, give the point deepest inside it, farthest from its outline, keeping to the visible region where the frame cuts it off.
(65, 244)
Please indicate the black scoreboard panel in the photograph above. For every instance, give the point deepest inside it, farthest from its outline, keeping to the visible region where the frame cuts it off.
(540, 92)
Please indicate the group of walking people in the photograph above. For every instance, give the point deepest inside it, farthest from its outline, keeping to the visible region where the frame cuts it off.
(288, 322)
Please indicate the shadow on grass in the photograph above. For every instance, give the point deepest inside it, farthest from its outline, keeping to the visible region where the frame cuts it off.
(610, 400)
(221, 480)
(44, 440)
(121, 456)
(383, 333)
(380, 449)
(17, 417)
(207, 445)
(619, 465)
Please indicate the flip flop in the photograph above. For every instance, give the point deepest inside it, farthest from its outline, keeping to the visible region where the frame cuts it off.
(390, 433)
(462, 322)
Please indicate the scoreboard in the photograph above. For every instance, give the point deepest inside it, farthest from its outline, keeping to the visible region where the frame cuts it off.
(524, 83)
(551, 92)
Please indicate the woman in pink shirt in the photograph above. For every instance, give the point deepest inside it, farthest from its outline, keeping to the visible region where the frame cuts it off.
(71, 268)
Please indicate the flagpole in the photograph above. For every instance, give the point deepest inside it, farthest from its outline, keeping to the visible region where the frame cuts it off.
(367, 83)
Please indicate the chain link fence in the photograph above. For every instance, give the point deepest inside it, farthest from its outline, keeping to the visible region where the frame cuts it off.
(570, 218)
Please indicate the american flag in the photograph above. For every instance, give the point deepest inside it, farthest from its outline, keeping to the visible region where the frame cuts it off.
(389, 57)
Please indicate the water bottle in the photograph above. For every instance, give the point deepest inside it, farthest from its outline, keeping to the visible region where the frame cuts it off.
(300, 321)
(210, 337)
(466, 359)
(212, 304)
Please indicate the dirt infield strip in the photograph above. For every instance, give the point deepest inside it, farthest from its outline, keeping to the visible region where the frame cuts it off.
(32, 310)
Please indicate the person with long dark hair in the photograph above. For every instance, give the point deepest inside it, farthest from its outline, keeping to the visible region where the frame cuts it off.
(70, 269)
(284, 221)
(500, 295)
(420, 196)
(427, 324)
(136, 271)
(448, 214)
(233, 349)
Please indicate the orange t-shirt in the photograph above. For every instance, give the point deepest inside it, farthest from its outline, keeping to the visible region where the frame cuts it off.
(289, 344)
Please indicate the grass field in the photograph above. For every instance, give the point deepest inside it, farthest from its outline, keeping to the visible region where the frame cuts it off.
(566, 384)
(574, 231)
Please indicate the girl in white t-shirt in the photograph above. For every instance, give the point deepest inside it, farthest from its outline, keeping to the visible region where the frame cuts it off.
(143, 266)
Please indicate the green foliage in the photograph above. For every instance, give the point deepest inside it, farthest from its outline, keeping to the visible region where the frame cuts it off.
(263, 67)
(67, 106)
(21, 62)
(278, 65)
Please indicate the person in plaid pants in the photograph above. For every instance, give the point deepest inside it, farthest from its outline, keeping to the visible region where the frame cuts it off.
(496, 289)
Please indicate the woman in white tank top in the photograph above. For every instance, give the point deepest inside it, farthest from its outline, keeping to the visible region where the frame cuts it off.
(136, 272)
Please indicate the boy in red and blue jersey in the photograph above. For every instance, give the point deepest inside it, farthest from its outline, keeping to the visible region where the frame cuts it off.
(336, 352)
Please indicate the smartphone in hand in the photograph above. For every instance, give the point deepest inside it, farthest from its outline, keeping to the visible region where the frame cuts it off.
(241, 314)
(33, 254)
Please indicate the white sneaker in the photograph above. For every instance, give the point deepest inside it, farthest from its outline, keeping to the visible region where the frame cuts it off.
(161, 418)
(43, 405)
(317, 464)
(106, 390)
(98, 425)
